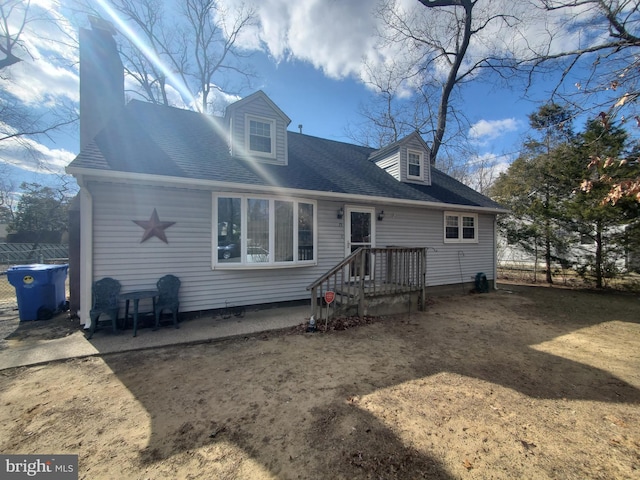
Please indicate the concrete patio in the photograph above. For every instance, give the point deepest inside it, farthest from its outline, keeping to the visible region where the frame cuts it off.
(209, 327)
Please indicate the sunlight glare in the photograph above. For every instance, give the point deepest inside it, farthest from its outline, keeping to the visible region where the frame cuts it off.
(179, 85)
(148, 52)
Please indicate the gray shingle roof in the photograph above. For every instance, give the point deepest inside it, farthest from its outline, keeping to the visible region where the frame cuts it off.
(152, 139)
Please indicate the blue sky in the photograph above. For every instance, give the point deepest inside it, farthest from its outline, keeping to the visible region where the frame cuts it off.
(309, 60)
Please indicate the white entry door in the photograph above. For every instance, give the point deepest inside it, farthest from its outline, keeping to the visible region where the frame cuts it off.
(360, 232)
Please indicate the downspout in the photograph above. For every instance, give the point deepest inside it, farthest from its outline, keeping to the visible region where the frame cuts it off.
(86, 252)
(495, 252)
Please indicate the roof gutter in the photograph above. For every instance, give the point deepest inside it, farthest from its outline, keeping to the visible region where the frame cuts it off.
(163, 180)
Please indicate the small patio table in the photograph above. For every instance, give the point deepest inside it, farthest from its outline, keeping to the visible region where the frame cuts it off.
(136, 297)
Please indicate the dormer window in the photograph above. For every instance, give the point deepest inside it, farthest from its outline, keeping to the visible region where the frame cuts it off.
(415, 164)
(258, 130)
(260, 136)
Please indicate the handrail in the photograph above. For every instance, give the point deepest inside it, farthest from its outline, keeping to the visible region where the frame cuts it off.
(370, 272)
(335, 269)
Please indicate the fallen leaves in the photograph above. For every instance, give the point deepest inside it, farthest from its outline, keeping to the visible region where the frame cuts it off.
(337, 323)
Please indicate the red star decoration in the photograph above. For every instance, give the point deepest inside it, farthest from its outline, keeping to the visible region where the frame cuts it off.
(153, 227)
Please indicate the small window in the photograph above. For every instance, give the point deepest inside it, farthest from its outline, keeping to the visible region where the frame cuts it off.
(468, 228)
(260, 136)
(451, 227)
(414, 164)
(460, 227)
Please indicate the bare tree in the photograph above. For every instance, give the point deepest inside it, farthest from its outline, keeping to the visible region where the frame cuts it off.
(12, 12)
(214, 50)
(198, 48)
(601, 63)
(20, 123)
(387, 117)
(147, 18)
(7, 195)
(436, 42)
(603, 68)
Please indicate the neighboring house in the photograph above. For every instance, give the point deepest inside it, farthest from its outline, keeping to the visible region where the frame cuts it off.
(246, 212)
(578, 254)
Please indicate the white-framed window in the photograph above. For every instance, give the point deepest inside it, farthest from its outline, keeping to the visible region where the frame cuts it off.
(260, 136)
(460, 227)
(257, 231)
(415, 164)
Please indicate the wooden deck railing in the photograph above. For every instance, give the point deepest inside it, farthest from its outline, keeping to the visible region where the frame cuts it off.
(370, 272)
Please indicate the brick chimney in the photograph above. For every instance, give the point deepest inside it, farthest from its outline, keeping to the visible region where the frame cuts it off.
(101, 78)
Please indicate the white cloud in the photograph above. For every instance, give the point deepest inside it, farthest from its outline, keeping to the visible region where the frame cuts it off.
(42, 84)
(44, 79)
(333, 36)
(336, 36)
(47, 71)
(217, 101)
(486, 130)
(28, 154)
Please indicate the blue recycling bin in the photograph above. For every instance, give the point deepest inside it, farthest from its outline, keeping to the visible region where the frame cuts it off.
(39, 289)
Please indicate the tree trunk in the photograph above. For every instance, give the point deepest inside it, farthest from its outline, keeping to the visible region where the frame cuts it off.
(598, 262)
(452, 77)
(547, 239)
(547, 257)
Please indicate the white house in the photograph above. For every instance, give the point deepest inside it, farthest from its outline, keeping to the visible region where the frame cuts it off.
(244, 211)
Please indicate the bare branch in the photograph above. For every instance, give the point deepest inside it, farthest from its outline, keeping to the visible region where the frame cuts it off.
(438, 42)
(10, 38)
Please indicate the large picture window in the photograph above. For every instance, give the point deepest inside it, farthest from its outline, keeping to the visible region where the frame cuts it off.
(258, 231)
(460, 227)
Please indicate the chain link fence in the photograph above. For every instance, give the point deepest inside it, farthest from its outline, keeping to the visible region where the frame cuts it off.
(12, 254)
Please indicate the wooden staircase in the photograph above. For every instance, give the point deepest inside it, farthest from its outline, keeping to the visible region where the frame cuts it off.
(368, 274)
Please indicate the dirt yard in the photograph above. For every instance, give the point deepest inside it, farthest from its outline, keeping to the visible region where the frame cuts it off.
(526, 382)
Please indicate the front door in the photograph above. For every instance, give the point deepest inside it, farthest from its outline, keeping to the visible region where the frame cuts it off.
(360, 232)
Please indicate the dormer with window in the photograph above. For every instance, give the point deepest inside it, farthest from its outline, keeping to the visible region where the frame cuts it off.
(407, 160)
(258, 130)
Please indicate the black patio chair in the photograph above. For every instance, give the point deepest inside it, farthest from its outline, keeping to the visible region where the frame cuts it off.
(105, 299)
(168, 287)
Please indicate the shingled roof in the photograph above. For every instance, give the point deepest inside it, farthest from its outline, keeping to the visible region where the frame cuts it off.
(158, 140)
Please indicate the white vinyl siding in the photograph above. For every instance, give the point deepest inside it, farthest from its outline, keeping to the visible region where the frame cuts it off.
(407, 161)
(447, 263)
(119, 252)
(391, 165)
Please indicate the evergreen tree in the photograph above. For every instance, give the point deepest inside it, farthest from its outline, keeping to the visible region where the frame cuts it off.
(41, 215)
(601, 223)
(535, 186)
